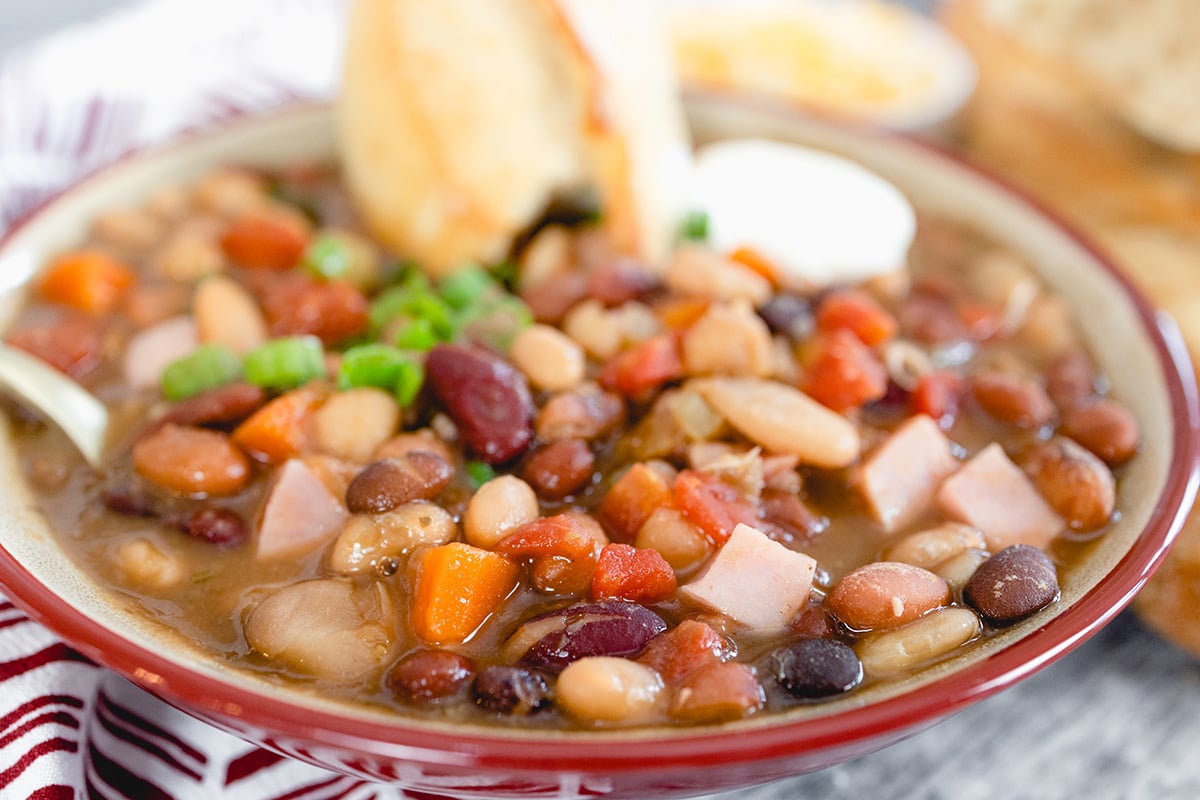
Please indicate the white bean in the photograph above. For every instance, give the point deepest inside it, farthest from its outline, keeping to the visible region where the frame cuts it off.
(730, 339)
(352, 424)
(678, 541)
(497, 508)
(549, 358)
(367, 539)
(596, 329)
(928, 548)
(146, 565)
(698, 271)
(608, 689)
(934, 635)
(227, 314)
(957, 570)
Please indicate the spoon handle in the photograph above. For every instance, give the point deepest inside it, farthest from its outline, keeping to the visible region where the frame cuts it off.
(82, 417)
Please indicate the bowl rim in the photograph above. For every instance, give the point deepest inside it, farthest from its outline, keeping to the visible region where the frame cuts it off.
(542, 751)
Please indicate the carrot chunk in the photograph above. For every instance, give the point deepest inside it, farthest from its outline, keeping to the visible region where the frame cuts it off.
(457, 588)
(856, 311)
(88, 280)
(281, 429)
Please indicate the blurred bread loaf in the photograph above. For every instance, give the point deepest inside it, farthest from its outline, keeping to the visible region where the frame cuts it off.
(460, 120)
(1093, 106)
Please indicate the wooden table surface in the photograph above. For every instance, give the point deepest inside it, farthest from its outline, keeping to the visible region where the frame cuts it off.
(1117, 719)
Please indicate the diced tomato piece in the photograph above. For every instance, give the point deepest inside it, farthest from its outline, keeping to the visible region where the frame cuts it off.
(332, 311)
(265, 241)
(844, 373)
(678, 652)
(712, 505)
(644, 367)
(631, 500)
(88, 280)
(938, 395)
(71, 343)
(624, 572)
(856, 311)
(561, 551)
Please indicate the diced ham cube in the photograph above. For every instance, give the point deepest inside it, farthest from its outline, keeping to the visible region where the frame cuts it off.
(150, 350)
(300, 514)
(992, 494)
(901, 476)
(755, 581)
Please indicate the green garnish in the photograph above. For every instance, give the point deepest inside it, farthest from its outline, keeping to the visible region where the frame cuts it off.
(466, 286)
(286, 363)
(382, 367)
(479, 472)
(416, 334)
(326, 258)
(207, 367)
(695, 226)
(408, 383)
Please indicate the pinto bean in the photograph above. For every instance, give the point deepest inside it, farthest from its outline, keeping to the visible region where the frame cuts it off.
(1105, 427)
(549, 358)
(1070, 379)
(559, 469)
(430, 676)
(1078, 485)
(225, 404)
(580, 414)
(1012, 399)
(886, 594)
(383, 485)
(192, 461)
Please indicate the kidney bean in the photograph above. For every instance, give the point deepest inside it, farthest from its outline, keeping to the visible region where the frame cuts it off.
(265, 241)
(619, 281)
(223, 405)
(219, 526)
(581, 414)
(190, 460)
(931, 320)
(487, 398)
(902, 649)
(1105, 427)
(1012, 584)
(813, 668)
(1077, 484)
(609, 689)
(1012, 399)
(70, 342)
(497, 508)
(886, 594)
(383, 485)
(428, 676)
(132, 500)
(511, 690)
(718, 692)
(553, 640)
(559, 469)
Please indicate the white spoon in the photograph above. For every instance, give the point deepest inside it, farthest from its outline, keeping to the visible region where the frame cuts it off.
(82, 417)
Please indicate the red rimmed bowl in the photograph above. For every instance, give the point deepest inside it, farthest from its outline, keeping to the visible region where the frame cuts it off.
(1139, 350)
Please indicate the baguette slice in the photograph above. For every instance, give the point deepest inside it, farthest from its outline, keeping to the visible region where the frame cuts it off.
(459, 121)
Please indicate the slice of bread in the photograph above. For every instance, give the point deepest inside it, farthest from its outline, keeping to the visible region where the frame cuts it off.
(460, 120)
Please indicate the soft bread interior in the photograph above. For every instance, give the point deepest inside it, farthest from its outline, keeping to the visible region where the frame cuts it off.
(460, 120)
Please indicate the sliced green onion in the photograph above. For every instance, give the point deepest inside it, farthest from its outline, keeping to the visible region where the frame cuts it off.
(375, 365)
(479, 472)
(464, 287)
(382, 367)
(286, 363)
(327, 258)
(417, 334)
(505, 273)
(431, 308)
(408, 383)
(695, 226)
(206, 367)
(415, 303)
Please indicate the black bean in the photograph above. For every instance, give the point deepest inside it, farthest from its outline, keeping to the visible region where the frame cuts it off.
(511, 690)
(216, 525)
(814, 668)
(1012, 584)
(789, 315)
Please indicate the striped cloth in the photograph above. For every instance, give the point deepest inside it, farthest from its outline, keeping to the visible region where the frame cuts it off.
(71, 104)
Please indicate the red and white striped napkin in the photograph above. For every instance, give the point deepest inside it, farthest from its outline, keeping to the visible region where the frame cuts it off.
(68, 106)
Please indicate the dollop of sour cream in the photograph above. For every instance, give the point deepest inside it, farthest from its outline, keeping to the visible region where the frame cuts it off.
(820, 218)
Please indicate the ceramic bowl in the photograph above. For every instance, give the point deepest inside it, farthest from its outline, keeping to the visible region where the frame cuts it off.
(1140, 350)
